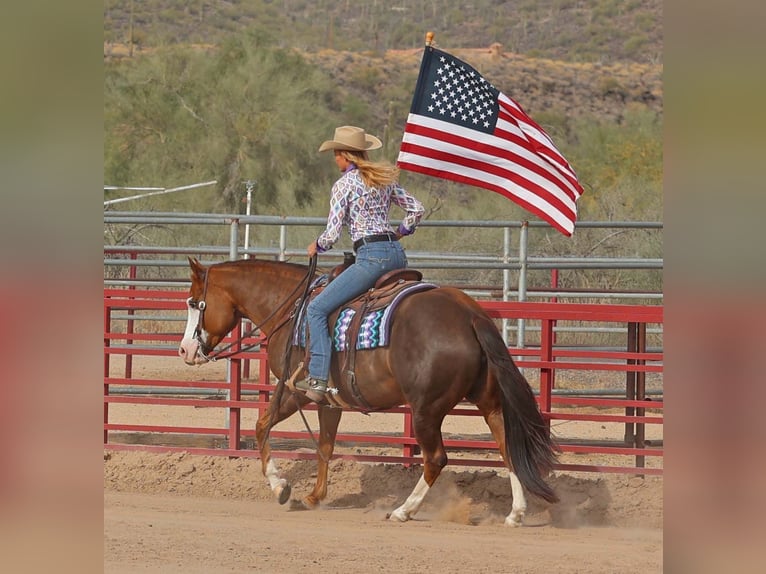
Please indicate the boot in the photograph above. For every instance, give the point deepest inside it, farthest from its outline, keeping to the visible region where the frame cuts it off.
(315, 389)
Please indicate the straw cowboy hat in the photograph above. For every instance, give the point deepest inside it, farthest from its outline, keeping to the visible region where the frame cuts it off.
(351, 138)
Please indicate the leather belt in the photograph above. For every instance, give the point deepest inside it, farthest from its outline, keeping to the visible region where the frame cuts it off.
(374, 239)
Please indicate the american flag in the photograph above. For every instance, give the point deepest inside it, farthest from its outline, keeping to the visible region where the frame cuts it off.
(461, 128)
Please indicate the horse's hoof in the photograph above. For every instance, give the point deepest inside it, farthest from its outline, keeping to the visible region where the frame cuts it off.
(398, 515)
(296, 504)
(284, 496)
(514, 520)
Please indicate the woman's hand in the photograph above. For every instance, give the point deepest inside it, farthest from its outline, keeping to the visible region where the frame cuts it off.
(312, 249)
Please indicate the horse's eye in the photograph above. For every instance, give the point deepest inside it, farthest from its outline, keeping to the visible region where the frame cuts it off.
(191, 303)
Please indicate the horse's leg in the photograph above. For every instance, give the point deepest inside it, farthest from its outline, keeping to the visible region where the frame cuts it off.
(279, 486)
(494, 418)
(429, 437)
(329, 418)
(519, 505)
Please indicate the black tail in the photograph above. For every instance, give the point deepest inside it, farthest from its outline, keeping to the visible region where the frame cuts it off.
(528, 442)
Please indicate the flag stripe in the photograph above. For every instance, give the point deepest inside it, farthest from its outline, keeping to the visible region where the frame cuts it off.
(554, 218)
(541, 142)
(478, 171)
(430, 141)
(462, 128)
(530, 127)
(520, 149)
(425, 139)
(492, 168)
(509, 150)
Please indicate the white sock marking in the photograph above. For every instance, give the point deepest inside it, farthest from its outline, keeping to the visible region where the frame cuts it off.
(519, 506)
(413, 502)
(272, 475)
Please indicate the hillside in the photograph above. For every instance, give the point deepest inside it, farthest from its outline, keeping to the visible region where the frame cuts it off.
(550, 90)
(229, 90)
(605, 31)
(560, 59)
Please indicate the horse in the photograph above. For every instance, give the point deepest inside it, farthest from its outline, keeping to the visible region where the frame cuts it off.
(443, 348)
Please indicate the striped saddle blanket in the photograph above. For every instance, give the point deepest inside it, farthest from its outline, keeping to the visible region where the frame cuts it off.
(374, 330)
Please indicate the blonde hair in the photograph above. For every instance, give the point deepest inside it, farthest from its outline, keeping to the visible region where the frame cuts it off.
(374, 173)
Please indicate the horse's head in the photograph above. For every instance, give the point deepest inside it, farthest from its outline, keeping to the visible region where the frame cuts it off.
(211, 315)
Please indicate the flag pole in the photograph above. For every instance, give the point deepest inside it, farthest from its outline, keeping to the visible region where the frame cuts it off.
(429, 38)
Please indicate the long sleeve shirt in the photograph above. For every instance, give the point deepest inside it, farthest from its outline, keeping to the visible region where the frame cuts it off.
(365, 210)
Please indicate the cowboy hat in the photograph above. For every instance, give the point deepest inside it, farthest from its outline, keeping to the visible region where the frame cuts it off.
(351, 138)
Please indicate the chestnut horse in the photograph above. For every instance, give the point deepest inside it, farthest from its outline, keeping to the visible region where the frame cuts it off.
(443, 348)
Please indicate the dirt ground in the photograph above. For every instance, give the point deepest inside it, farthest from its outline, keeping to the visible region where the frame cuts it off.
(178, 512)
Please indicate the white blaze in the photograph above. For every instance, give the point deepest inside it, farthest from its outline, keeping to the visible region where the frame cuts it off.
(189, 345)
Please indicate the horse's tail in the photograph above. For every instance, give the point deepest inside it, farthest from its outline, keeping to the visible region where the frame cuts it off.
(528, 442)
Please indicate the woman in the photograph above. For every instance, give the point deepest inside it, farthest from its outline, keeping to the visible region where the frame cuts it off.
(360, 199)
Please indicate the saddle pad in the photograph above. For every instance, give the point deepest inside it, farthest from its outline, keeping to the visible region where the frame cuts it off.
(375, 330)
(371, 330)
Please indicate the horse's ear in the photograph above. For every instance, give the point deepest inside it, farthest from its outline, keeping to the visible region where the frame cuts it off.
(197, 269)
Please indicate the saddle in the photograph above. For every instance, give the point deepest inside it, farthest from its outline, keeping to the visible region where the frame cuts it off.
(380, 296)
(386, 288)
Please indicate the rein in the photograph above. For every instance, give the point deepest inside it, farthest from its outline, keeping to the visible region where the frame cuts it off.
(281, 383)
(280, 387)
(221, 354)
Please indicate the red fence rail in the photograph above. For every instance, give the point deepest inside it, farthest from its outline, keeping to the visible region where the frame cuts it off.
(633, 409)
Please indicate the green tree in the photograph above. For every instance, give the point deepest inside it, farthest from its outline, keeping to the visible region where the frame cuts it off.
(244, 111)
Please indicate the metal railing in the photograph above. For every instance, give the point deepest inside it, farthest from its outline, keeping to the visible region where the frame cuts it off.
(508, 258)
(632, 407)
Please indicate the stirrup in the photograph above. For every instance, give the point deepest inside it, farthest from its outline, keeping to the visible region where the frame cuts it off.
(315, 389)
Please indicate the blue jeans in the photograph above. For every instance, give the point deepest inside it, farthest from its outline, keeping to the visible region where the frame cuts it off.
(372, 261)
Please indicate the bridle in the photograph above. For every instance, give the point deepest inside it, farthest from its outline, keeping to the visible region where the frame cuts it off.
(200, 305)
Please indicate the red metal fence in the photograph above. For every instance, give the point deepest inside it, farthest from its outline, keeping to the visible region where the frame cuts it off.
(632, 408)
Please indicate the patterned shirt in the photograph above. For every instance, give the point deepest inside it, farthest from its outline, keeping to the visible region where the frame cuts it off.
(365, 210)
